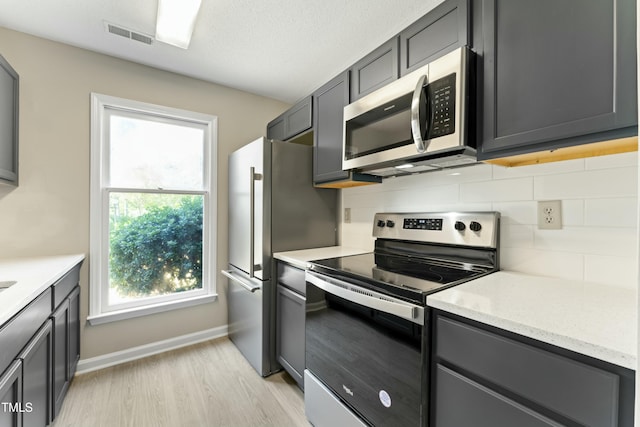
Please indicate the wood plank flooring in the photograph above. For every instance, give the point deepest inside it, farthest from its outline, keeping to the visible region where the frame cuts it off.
(207, 384)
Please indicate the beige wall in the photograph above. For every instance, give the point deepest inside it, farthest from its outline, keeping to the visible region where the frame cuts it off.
(48, 213)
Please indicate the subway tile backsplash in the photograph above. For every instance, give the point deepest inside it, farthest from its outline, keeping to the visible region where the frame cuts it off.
(598, 241)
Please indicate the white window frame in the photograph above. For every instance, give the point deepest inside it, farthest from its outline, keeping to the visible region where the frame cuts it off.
(99, 311)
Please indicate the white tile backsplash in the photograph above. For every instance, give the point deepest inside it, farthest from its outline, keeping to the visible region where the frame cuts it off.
(598, 241)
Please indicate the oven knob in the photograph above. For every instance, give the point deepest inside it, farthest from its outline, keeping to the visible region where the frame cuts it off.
(475, 226)
(380, 223)
(390, 223)
(459, 225)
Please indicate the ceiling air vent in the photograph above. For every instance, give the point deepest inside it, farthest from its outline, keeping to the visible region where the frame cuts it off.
(127, 33)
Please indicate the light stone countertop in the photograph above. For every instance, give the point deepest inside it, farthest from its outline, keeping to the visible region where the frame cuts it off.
(33, 275)
(592, 319)
(302, 257)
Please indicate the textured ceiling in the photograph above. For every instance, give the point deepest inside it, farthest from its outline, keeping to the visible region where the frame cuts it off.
(283, 49)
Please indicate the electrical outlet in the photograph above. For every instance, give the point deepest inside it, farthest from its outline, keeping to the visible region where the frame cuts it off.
(550, 214)
(347, 215)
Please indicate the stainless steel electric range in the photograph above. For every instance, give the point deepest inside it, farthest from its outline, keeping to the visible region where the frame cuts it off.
(367, 331)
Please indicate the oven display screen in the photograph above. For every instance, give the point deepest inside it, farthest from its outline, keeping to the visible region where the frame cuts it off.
(423, 224)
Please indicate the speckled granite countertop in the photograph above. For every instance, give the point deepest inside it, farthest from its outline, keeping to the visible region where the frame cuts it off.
(589, 318)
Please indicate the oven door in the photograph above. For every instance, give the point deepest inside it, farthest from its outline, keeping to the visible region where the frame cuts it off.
(366, 348)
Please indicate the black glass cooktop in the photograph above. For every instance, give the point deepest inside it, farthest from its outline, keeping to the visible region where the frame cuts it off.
(404, 276)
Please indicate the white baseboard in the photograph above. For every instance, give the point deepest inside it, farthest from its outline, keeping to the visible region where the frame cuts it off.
(118, 357)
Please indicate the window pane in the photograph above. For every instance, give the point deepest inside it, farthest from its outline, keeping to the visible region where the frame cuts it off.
(155, 245)
(150, 154)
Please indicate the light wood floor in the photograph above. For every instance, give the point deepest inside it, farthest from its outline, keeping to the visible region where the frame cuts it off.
(208, 384)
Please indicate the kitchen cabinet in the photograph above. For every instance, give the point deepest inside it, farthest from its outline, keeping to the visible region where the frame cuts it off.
(556, 74)
(11, 396)
(375, 70)
(46, 347)
(61, 377)
(290, 314)
(328, 113)
(503, 379)
(36, 378)
(9, 100)
(442, 30)
(292, 122)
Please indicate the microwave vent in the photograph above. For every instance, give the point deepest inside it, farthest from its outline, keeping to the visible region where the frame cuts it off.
(128, 33)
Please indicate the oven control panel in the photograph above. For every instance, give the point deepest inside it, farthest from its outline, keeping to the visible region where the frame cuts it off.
(422, 224)
(477, 229)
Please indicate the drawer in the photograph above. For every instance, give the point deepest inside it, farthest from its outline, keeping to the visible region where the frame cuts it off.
(17, 332)
(63, 287)
(580, 392)
(291, 277)
(482, 407)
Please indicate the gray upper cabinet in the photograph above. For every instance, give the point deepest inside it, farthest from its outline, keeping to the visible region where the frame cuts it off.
(292, 122)
(329, 102)
(556, 74)
(9, 83)
(439, 32)
(375, 70)
(275, 129)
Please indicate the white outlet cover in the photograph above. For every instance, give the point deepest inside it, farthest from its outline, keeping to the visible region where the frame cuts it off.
(550, 214)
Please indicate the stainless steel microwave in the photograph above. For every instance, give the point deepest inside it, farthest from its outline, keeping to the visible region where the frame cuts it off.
(414, 124)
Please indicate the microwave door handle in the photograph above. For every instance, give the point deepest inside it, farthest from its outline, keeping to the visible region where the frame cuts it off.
(421, 144)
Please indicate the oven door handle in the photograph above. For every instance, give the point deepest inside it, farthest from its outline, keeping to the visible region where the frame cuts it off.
(368, 298)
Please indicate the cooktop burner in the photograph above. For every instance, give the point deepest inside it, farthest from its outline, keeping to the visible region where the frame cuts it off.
(418, 254)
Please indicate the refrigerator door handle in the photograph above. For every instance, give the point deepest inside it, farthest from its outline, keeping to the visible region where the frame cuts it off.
(252, 232)
(233, 277)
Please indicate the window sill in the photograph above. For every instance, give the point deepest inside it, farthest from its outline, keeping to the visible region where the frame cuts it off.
(114, 316)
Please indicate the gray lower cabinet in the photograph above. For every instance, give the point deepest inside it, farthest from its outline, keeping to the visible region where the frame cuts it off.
(556, 74)
(39, 352)
(36, 378)
(292, 122)
(290, 319)
(442, 30)
(503, 380)
(328, 114)
(61, 377)
(11, 396)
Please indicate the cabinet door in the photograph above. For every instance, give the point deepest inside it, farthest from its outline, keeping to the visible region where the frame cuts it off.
(375, 70)
(290, 332)
(36, 378)
(329, 102)
(60, 355)
(557, 73)
(439, 32)
(9, 98)
(298, 118)
(11, 401)
(74, 330)
(459, 401)
(275, 129)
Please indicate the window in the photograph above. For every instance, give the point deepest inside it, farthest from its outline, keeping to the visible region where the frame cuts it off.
(153, 217)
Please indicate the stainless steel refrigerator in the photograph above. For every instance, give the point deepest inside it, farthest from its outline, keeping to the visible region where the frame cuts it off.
(273, 207)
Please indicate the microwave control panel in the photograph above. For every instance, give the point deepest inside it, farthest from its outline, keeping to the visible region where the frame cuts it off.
(442, 96)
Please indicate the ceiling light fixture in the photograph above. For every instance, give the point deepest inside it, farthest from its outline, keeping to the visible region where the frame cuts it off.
(404, 166)
(176, 20)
